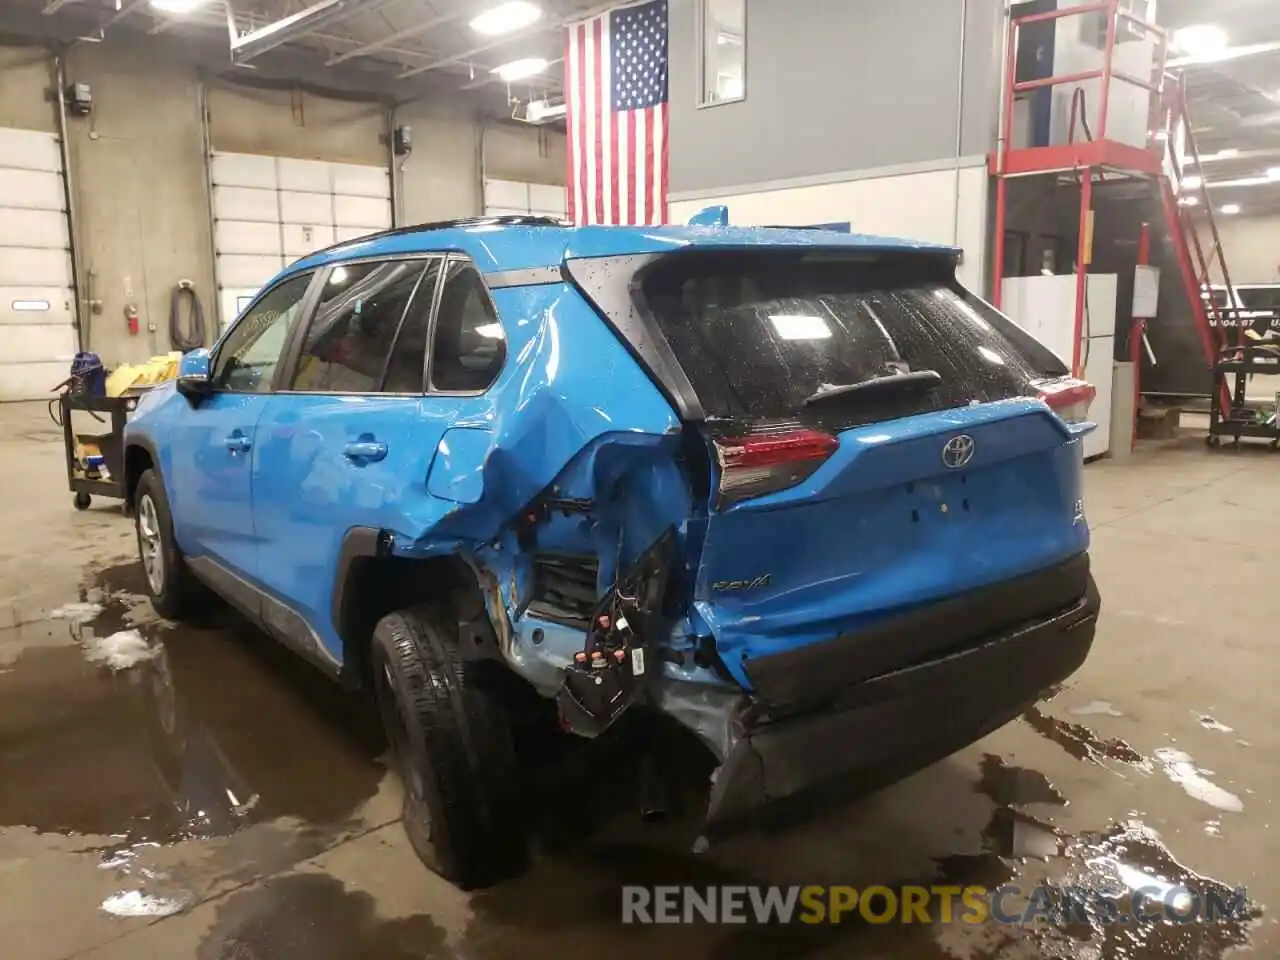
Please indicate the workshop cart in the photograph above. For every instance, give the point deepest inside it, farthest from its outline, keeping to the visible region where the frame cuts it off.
(1246, 417)
(95, 458)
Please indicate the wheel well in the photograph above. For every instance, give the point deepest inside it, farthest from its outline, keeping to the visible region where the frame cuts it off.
(376, 586)
(137, 461)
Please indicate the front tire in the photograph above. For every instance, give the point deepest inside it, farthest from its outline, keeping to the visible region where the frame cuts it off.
(451, 738)
(175, 593)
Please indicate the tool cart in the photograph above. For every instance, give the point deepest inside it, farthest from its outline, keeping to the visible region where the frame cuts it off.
(1247, 417)
(95, 458)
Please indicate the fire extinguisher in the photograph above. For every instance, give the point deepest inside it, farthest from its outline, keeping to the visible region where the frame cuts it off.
(131, 318)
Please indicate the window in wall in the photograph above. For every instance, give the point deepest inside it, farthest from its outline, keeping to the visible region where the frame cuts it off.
(723, 29)
(349, 340)
(247, 362)
(469, 346)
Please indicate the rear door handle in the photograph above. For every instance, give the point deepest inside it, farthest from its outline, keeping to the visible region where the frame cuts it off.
(366, 451)
(238, 443)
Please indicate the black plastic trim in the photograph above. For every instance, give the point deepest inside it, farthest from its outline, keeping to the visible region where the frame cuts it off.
(527, 277)
(358, 543)
(273, 616)
(810, 674)
(897, 723)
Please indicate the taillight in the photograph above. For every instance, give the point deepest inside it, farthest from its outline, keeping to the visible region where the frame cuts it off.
(768, 461)
(1068, 397)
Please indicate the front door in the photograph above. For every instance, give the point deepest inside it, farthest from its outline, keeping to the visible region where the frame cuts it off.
(212, 447)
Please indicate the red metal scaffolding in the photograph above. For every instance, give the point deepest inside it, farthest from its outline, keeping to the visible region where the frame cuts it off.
(1093, 158)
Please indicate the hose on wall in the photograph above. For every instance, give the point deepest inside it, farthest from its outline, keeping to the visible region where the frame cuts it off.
(193, 335)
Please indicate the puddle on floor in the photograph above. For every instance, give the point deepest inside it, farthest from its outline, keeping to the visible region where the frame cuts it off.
(1012, 786)
(316, 917)
(222, 729)
(1079, 741)
(178, 732)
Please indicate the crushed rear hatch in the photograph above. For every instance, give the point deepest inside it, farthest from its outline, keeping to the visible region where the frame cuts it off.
(866, 439)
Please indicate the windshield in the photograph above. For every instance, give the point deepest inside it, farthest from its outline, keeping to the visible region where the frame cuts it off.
(759, 334)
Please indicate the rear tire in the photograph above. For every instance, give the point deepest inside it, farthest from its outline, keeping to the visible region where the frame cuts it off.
(451, 739)
(175, 592)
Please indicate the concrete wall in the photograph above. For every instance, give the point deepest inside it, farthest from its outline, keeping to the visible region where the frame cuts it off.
(294, 123)
(139, 172)
(837, 85)
(141, 214)
(26, 77)
(1252, 246)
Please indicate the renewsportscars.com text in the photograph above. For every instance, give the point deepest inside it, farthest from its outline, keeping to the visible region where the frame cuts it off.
(1009, 904)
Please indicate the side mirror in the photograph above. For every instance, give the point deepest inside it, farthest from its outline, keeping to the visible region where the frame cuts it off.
(194, 380)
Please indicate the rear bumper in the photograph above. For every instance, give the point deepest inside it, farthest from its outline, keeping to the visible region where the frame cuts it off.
(903, 719)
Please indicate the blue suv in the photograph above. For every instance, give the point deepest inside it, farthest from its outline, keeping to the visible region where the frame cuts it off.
(798, 491)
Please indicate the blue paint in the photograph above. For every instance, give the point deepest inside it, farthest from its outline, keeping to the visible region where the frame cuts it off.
(711, 217)
(269, 484)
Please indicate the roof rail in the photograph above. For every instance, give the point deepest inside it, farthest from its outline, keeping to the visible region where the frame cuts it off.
(511, 220)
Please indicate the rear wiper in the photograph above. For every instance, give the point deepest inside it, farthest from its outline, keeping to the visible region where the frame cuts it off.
(915, 380)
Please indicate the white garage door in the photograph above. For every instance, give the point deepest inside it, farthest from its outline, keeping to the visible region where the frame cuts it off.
(37, 332)
(512, 197)
(269, 211)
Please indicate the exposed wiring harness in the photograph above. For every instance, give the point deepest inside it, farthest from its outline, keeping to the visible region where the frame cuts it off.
(193, 336)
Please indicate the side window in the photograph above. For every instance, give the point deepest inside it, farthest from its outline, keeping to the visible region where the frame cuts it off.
(349, 339)
(407, 366)
(469, 346)
(248, 360)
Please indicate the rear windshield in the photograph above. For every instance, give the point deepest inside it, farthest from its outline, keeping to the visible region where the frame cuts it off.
(759, 334)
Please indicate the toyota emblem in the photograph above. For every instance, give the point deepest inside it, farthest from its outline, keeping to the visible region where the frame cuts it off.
(958, 451)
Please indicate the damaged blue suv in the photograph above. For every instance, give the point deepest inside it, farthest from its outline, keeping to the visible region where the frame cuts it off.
(797, 491)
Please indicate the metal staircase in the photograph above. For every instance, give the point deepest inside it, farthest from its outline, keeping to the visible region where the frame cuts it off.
(1169, 149)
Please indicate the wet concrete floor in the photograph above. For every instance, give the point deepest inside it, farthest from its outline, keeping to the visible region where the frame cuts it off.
(216, 799)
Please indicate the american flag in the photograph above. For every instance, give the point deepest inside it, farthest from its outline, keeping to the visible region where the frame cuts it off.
(616, 93)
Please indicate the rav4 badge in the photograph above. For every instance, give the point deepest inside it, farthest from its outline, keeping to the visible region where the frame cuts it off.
(725, 586)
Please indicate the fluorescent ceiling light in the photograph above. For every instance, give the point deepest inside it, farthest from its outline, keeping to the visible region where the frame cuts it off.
(1192, 181)
(30, 306)
(798, 326)
(1273, 173)
(506, 18)
(1204, 41)
(520, 69)
(1224, 154)
(1188, 201)
(1230, 209)
(177, 6)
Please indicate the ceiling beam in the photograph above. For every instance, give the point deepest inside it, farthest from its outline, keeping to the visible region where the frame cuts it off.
(468, 54)
(487, 77)
(417, 30)
(257, 42)
(555, 23)
(126, 10)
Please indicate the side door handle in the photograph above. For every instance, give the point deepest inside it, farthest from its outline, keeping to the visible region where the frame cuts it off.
(238, 443)
(365, 451)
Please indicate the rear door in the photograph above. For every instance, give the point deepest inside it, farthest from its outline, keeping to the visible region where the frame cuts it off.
(874, 435)
(339, 444)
